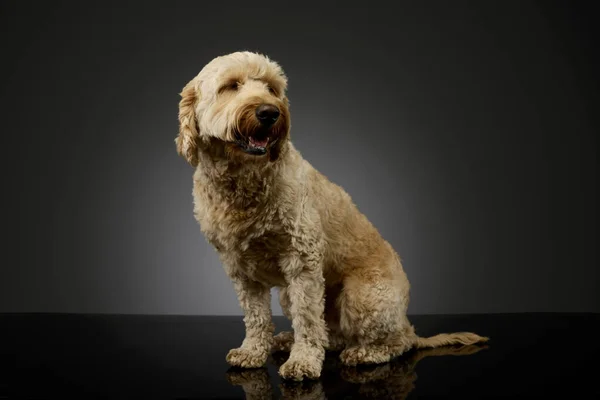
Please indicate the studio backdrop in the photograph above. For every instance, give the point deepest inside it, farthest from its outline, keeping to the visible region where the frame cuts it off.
(463, 130)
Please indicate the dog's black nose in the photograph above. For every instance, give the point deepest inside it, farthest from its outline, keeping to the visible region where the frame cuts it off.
(267, 114)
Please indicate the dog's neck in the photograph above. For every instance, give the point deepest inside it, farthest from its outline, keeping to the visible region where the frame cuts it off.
(240, 181)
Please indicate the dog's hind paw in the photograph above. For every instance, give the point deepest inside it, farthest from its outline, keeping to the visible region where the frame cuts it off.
(283, 341)
(365, 355)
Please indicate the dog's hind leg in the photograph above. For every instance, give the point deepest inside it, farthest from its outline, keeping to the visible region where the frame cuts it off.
(337, 341)
(373, 320)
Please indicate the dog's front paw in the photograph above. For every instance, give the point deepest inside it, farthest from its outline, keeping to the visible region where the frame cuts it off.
(298, 367)
(247, 357)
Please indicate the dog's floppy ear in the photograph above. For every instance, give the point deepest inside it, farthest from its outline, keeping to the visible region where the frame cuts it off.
(187, 141)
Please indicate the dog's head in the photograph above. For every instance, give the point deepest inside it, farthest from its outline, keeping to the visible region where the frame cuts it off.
(238, 103)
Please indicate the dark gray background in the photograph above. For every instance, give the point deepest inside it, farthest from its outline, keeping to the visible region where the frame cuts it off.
(463, 130)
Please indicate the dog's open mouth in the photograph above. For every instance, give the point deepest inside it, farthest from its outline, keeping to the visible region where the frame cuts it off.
(256, 144)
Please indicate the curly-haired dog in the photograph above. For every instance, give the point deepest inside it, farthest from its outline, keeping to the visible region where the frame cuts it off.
(277, 222)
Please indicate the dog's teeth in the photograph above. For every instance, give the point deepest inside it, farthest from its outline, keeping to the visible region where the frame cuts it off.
(258, 143)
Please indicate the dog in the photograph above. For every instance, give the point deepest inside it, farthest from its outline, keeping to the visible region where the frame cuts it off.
(275, 221)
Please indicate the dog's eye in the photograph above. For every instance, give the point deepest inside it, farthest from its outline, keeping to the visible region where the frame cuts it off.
(271, 90)
(232, 86)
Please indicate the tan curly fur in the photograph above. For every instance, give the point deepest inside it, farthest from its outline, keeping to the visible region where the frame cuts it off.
(277, 222)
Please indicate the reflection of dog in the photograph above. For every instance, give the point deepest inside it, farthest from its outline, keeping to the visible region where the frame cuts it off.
(393, 380)
(277, 222)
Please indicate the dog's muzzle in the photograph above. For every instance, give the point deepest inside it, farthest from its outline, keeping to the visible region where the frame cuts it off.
(258, 141)
(267, 114)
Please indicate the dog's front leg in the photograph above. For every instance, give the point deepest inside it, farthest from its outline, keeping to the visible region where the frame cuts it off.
(306, 295)
(255, 300)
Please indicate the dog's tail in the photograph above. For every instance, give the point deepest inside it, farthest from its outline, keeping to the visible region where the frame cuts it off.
(447, 339)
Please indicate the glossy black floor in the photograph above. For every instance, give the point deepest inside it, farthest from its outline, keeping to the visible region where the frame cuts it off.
(183, 357)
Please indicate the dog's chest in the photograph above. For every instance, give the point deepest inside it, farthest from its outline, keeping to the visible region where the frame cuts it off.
(231, 228)
(261, 259)
(253, 238)
(257, 253)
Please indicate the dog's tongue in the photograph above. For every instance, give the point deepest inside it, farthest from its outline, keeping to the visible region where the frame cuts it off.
(254, 142)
